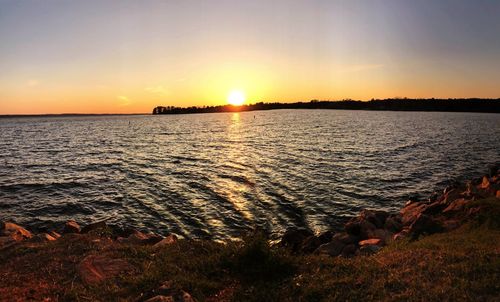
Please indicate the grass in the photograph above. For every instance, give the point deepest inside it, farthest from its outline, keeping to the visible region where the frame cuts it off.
(463, 265)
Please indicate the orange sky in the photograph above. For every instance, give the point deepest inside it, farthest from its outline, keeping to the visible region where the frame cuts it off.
(130, 56)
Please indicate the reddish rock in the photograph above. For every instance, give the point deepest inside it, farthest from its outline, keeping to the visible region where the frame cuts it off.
(452, 195)
(70, 227)
(409, 213)
(369, 249)
(456, 205)
(55, 234)
(372, 241)
(97, 268)
(141, 238)
(401, 235)
(170, 239)
(43, 237)
(485, 184)
(16, 232)
(498, 194)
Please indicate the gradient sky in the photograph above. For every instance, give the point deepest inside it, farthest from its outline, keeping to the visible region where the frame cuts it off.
(129, 56)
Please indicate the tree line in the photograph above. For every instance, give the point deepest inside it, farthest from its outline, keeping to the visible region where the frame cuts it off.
(393, 104)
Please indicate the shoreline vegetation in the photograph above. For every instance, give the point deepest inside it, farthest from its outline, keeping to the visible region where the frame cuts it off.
(446, 247)
(394, 104)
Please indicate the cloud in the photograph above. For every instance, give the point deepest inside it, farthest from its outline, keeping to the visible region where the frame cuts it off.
(160, 90)
(124, 101)
(362, 67)
(32, 83)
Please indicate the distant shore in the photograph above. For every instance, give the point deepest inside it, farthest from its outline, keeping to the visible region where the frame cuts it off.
(396, 104)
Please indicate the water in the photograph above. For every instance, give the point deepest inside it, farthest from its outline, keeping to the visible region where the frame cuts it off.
(216, 175)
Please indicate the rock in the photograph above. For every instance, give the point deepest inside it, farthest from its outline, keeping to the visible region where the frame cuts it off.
(359, 228)
(325, 237)
(333, 248)
(456, 205)
(43, 237)
(97, 268)
(55, 234)
(94, 226)
(369, 249)
(71, 226)
(349, 250)
(170, 239)
(452, 196)
(346, 238)
(16, 232)
(498, 194)
(293, 238)
(138, 237)
(401, 235)
(372, 241)
(434, 208)
(409, 213)
(383, 235)
(424, 224)
(485, 184)
(377, 218)
(393, 224)
(310, 244)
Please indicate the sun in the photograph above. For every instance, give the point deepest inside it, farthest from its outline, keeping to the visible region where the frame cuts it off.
(236, 98)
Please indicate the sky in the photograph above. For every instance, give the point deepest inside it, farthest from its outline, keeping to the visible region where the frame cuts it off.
(130, 56)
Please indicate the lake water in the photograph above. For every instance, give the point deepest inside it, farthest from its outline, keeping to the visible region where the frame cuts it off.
(216, 175)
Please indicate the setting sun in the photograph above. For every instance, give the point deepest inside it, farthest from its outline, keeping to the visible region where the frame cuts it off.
(236, 98)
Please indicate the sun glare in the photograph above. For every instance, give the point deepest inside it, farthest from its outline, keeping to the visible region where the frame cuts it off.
(236, 98)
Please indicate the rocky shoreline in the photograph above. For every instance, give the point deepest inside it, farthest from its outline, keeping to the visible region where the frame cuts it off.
(366, 234)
